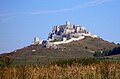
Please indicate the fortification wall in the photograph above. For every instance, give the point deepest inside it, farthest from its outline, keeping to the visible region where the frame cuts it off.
(67, 41)
(70, 40)
(91, 35)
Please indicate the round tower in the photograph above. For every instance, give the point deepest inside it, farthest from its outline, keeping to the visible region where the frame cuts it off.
(36, 41)
(67, 23)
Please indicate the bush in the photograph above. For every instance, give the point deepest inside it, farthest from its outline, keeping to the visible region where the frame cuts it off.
(114, 51)
(5, 61)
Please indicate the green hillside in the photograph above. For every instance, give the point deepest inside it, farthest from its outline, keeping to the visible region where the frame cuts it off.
(40, 55)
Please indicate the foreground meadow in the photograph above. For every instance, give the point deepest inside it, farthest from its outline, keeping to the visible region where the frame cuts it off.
(101, 70)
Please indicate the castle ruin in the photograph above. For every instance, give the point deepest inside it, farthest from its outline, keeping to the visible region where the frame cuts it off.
(68, 31)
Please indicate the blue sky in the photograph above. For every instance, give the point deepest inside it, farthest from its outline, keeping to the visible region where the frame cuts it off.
(22, 20)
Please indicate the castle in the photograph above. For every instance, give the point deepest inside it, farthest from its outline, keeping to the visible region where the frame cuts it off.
(63, 34)
(68, 31)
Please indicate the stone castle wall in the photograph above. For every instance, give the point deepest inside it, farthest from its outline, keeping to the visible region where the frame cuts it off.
(66, 41)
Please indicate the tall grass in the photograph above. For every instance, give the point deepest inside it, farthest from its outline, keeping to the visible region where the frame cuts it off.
(101, 70)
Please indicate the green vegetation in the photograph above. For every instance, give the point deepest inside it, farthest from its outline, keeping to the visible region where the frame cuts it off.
(56, 40)
(5, 61)
(82, 61)
(102, 53)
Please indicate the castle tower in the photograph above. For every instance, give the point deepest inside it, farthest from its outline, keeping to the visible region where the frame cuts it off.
(78, 29)
(67, 23)
(36, 41)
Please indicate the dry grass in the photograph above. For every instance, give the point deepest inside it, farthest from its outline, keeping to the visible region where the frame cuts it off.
(103, 70)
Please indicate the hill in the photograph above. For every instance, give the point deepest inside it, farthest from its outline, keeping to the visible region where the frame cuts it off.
(38, 54)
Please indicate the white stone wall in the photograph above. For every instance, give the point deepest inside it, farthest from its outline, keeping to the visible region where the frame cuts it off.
(72, 39)
(91, 35)
(67, 41)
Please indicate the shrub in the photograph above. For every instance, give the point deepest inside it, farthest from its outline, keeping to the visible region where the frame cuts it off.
(5, 61)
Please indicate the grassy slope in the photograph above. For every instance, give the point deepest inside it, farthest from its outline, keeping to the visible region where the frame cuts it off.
(76, 49)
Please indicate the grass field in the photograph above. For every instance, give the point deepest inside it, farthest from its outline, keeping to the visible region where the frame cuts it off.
(100, 70)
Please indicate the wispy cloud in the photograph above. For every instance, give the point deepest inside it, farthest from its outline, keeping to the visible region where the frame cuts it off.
(92, 3)
(84, 5)
(9, 16)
